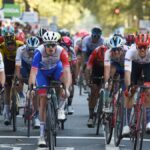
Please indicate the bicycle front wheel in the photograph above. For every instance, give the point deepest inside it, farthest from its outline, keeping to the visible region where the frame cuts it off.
(14, 111)
(98, 115)
(50, 126)
(138, 140)
(119, 120)
(108, 128)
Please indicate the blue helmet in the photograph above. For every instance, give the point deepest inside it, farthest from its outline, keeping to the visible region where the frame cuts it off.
(32, 42)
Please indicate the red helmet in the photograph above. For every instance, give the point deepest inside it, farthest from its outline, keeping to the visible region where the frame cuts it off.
(142, 40)
(82, 34)
(66, 40)
(130, 38)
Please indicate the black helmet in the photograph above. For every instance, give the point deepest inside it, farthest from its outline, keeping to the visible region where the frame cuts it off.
(64, 32)
(96, 31)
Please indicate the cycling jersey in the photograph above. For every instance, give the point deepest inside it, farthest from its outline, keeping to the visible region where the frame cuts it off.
(88, 46)
(97, 57)
(1, 63)
(23, 54)
(109, 58)
(132, 55)
(9, 54)
(45, 62)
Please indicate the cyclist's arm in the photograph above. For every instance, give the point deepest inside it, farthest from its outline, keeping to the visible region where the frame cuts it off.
(67, 79)
(107, 65)
(2, 73)
(18, 63)
(128, 67)
(34, 68)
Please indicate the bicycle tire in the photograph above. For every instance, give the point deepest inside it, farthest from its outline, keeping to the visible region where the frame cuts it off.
(13, 111)
(50, 126)
(138, 141)
(28, 117)
(108, 128)
(99, 111)
(119, 120)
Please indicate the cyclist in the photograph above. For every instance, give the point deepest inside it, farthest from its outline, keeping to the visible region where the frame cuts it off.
(78, 38)
(95, 69)
(114, 60)
(8, 49)
(50, 60)
(23, 65)
(137, 61)
(89, 43)
(130, 39)
(66, 43)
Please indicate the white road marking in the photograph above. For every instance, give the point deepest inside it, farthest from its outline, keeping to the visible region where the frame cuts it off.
(57, 148)
(9, 146)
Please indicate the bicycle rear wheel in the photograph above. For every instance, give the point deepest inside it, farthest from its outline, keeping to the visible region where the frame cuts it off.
(98, 115)
(119, 120)
(50, 126)
(138, 140)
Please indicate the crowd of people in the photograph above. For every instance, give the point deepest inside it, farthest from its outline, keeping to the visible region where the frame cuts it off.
(35, 59)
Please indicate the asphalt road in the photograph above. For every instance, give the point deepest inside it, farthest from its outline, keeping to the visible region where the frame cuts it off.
(75, 136)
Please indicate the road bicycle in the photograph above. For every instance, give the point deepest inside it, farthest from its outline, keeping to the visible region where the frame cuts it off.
(52, 123)
(138, 117)
(112, 119)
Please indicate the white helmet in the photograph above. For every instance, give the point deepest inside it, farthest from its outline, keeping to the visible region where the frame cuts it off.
(32, 42)
(51, 37)
(116, 41)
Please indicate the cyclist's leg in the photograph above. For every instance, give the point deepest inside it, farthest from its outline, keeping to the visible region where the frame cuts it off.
(97, 71)
(128, 103)
(59, 75)
(41, 80)
(9, 70)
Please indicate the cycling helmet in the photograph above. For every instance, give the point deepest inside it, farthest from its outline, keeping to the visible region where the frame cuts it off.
(82, 34)
(66, 41)
(96, 31)
(32, 42)
(64, 32)
(130, 39)
(51, 37)
(142, 40)
(8, 30)
(41, 32)
(116, 42)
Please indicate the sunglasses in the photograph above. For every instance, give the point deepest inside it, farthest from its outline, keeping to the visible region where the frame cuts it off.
(116, 49)
(50, 45)
(95, 36)
(142, 47)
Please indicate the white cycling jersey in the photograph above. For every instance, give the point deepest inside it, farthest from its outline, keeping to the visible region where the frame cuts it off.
(108, 58)
(1, 63)
(23, 54)
(132, 55)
